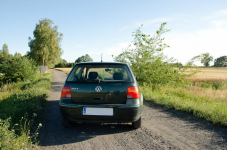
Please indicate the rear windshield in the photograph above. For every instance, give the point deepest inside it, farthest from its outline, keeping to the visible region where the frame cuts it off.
(100, 73)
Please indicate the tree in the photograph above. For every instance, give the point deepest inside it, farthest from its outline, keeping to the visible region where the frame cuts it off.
(221, 61)
(147, 60)
(5, 50)
(84, 58)
(45, 47)
(206, 59)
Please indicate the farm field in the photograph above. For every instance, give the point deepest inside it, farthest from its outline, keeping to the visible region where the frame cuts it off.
(210, 75)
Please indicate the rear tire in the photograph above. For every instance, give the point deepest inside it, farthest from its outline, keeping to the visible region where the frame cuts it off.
(66, 123)
(137, 124)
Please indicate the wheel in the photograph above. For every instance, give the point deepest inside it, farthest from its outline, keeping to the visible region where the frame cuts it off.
(66, 123)
(136, 124)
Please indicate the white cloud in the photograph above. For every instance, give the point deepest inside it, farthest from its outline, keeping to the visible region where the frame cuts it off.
(217, 14)
(185, 46)
(220, 23)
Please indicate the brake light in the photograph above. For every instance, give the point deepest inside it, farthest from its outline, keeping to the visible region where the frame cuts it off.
(66, 92)
(133, 92)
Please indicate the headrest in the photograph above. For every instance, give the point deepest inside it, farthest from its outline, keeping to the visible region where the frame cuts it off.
(118, 76)
(92, 75)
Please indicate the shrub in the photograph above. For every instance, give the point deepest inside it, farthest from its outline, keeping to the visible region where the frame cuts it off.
(148, 62)
(19, 68)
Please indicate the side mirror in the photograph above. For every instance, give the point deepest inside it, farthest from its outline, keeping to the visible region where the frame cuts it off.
(136, 78)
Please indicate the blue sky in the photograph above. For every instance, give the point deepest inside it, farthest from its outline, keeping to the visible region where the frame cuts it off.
(105, 26)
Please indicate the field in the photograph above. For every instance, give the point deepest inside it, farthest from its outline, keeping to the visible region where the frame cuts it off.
(210, 75)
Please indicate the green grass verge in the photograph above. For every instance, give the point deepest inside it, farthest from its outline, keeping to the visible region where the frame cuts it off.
(19, 104)
(207, 103)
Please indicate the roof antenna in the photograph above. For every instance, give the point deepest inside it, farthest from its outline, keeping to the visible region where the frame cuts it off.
(101, 57)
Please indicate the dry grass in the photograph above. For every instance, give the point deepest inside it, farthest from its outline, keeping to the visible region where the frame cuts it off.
(67, 70)
(210, 75)
(208, 92)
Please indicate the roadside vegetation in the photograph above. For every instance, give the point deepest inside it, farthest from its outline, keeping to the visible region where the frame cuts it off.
(23, 90)
(164, 81)
(20, 104)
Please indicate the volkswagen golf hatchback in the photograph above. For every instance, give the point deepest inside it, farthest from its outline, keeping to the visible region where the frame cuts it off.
(101, 92)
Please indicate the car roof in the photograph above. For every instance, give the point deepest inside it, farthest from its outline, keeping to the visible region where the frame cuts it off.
(101, 63)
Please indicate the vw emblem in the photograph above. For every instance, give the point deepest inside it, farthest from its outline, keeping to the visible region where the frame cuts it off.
(98, 89)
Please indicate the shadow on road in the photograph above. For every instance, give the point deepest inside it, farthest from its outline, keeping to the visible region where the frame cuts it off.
(53, 132)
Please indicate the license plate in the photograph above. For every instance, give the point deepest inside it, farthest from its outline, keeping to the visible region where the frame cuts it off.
(98, 111)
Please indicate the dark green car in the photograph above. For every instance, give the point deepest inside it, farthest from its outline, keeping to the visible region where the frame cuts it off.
(101, 92)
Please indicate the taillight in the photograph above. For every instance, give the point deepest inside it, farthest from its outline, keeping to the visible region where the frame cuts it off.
(133, 92)
(66, 92)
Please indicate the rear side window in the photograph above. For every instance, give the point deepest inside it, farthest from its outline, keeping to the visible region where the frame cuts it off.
(100, 73)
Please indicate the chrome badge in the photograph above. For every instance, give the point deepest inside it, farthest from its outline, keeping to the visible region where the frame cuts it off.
(98, 89)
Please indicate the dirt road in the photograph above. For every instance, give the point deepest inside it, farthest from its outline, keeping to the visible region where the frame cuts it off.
(161, 129)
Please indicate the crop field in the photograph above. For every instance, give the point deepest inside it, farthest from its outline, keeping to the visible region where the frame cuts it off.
(210, 75)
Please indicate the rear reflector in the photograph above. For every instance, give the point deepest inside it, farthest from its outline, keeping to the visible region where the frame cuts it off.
(66, 92)
(133, 92)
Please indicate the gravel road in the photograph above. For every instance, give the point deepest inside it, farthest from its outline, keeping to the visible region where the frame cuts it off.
(161, 129)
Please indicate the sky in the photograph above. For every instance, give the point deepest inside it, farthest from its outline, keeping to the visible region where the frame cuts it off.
(94, 27)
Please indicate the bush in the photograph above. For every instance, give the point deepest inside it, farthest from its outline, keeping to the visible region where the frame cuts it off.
(147, 61)
(19, 68)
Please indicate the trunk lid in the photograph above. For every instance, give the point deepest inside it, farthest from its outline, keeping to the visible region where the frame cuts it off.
(99, 93)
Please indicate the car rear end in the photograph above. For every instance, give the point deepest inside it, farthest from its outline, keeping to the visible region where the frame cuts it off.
(101, 92)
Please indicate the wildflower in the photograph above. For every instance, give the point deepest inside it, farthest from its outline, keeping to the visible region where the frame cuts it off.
(40, 124)
(34, 114)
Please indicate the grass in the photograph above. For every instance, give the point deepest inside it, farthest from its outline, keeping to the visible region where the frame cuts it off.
(19, 105)
(207, 103)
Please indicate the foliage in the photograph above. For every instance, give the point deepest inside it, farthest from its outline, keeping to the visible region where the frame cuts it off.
(4, 55)
(84, 58)
(19, 105)
(5, 50)
(64, 64)
(147, 60)
(19, 68)
(45, 47)
(221, 61)
(206, 59)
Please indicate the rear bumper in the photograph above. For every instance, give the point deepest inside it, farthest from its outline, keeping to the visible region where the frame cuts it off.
(121, 113)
